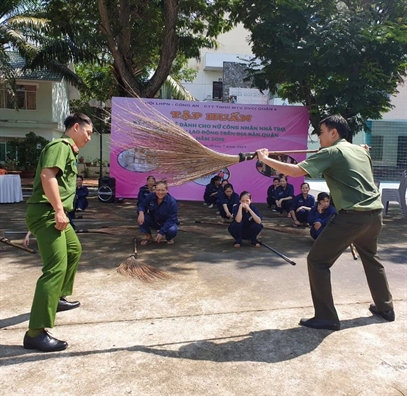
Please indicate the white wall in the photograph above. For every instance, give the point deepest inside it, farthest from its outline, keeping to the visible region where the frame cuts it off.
(47, 120)
(232, 44)
(92, 149)
(400, 102)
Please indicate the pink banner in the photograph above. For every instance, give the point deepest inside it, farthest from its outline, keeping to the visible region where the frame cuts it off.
(224, 127)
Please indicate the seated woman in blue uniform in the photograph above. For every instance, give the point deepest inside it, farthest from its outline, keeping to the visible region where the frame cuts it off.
(319, 215)
(301, 206)
(81, 203)
(211, 193)
(284, 195)
(145, 190)
(271, 193)
(227, 200)
(158, 211)
(246, 221)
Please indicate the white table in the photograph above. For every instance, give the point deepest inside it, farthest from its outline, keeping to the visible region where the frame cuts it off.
(10, 189)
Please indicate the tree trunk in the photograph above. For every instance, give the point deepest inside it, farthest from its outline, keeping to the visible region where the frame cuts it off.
(119, 45)
(168, 50)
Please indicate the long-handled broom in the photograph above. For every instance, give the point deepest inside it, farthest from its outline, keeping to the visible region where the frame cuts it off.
(16, 245)
(169, 149)
(283, 256)
(285, 230)
(146, 273)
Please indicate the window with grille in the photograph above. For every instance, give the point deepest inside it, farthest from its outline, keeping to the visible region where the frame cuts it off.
(376, 151)
(26, 97)
(402, 152)
(217, 90)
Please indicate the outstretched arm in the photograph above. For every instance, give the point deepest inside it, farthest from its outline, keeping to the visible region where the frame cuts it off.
(287, 169)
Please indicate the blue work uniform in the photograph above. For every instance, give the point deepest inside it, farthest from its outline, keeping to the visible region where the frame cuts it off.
(315, 217)
(162, 217)
(230, 202)
(80, 201)
(281, 192)
(210, 189)
(142, 194)
(271, 196)
(247, 228)
(299, 200)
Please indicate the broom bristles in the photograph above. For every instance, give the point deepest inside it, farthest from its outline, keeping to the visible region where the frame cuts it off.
(146, 273)
(162, 145)
(170, 150)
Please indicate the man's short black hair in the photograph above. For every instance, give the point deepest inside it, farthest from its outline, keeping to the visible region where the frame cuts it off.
(337, 122)
(76, 118)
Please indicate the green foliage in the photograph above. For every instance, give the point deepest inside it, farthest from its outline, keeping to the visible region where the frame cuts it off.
(142, 41)
(101, 86)
(28, 150)
(25, 28)
(18, 21)
(342, 57)
(132, 45)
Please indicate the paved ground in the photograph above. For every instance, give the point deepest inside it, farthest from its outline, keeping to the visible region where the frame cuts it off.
(224, 323)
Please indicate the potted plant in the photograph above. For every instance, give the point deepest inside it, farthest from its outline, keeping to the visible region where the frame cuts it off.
(11, 164)
(28, 152)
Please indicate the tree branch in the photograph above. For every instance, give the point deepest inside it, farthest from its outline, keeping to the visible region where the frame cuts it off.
(168, 49)
(120, 45)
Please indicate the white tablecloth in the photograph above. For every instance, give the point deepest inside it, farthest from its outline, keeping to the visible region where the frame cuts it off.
(10, 189)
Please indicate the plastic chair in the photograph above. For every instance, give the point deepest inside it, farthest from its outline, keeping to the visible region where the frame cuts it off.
(396, 195)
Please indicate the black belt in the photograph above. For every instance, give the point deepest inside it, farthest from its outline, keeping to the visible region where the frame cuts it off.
(360, 212)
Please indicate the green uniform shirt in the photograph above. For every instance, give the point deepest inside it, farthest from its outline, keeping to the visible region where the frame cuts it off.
(61, 154)
(347, 170)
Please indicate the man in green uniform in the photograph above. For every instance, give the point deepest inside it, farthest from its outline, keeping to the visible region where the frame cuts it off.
(46, 217)
(347, 170)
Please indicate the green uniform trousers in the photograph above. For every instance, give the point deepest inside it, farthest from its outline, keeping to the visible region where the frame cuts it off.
(362, 229)
(60, 252)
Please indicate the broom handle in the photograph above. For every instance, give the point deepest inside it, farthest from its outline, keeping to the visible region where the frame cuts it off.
(278, 253)
(135, 247)
(22, 247)
(250, 156)
(353, 251)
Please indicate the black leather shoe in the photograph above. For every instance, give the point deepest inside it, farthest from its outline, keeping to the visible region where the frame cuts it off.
(389, 315)
(64, 305)
(44, 342)
(316, 323)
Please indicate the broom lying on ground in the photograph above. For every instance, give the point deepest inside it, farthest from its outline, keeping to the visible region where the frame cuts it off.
(170, 150)
(132, 267)
(16, 245)
(278, 229)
